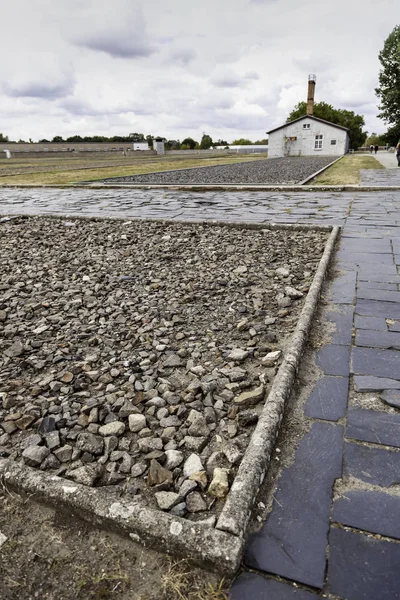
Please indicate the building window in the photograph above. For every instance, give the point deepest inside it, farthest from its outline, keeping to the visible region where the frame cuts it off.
(333, 142)
(318, 142)
(306, 125)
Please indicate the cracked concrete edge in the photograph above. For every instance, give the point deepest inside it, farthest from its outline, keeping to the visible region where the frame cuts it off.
(311, 177)
(237, 509)
(200, 543)
(208, 222)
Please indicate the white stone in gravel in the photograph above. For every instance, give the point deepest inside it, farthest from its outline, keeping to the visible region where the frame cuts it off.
(166, 500)
(3, 539)
(238, 355)
(240, 270)
(174, 459)
(293, 293)
(137, 422)
(192, 465)
(113, 428)
(282, 271)
(270, 359)
(187, 487)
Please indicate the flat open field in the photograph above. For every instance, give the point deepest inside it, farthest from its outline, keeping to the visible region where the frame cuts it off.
(346, 171)
(66, 171)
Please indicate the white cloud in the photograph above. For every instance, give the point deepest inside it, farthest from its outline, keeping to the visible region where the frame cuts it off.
(179, 68)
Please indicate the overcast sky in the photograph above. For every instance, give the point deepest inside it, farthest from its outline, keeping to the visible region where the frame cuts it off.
(178, 68)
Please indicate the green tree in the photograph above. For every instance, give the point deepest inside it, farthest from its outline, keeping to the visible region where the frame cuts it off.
(56, 139)
(392, 136)
(389, 79)
(339, 116)
(242, 142)
(3, 138)
(261, 142)
(206, 142)
(375, 140)
(137, 137)
(189, 143)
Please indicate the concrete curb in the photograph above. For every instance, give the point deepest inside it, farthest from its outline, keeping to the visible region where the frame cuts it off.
(320, 171)
(219, 548)
(237, 509)
(205, 545)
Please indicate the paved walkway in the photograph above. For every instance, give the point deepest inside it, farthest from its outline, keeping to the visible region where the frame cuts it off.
(334, 529)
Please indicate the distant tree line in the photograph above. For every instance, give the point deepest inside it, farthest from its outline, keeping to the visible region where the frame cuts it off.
(188, 143)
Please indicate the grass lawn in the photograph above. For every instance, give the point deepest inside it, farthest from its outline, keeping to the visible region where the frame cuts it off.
(59, 171)
(347, 170)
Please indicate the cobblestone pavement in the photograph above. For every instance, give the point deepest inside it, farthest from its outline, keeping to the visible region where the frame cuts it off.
(339, 542)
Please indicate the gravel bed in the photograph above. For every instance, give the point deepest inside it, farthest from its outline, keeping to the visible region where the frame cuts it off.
(275, 170)
(137, 354)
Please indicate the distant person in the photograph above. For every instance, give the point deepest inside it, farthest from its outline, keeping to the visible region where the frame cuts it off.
(397, 150)
(371, 149)
(386, 146)
(376, 148)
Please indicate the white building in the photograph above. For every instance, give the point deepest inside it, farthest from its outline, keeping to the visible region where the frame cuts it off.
(141, 146)
(308, 136)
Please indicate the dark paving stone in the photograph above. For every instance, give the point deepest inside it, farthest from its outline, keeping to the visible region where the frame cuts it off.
(367, 383)
(250, 586)
(372, 361)
(391, 397)
(376, 308)
(377, 277)
(376, 512)
(343, 288)
(334, 359)
(375, 323)
(378, 339)
(362, 567)
(385, 295)
(292, 542)
(328, 400)
(373, 426)
(377, 285)
(361, 258)
(344, 323)
(376, 466)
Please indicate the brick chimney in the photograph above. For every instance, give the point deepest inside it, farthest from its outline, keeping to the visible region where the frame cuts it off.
(311, 91)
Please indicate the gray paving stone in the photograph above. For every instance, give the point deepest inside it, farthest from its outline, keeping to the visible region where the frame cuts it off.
(372, 361)
(343, 320)
(374, 323)
(334, 359)
(360, 258)
(378, 339)
(364, 276)
(251, 586)
(391, 397)
(366, 383)
(343, 288)
(369, 510)
(376, 466)
(373, 269)
(377, 285)
(366, 246)
(375, 308)
(373, 426)
(293, 540)
(371, 294)
(328, 400)
(394, 326)
(362, 567)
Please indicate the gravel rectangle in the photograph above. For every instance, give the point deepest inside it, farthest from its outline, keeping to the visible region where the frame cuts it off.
(288, 171)
(137, 355)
